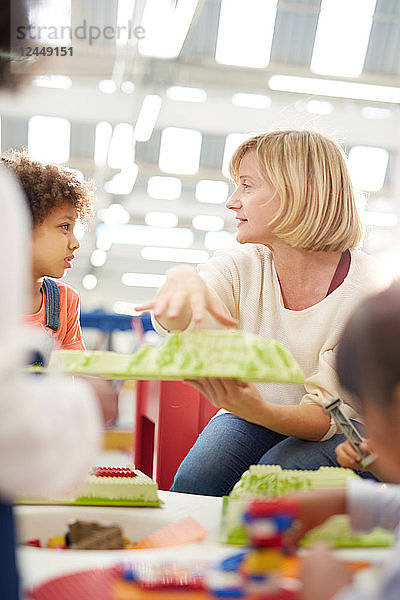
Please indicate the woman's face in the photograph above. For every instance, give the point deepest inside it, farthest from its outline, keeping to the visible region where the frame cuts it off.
(255, 203)
(383, 431)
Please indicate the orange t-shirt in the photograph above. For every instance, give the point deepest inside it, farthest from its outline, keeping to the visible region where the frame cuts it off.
(69, 333)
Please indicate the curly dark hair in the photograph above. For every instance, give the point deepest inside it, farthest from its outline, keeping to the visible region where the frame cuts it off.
(48, 186)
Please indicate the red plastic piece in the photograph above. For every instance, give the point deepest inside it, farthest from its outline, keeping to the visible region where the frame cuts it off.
(113, 472)
(169, 417)
(35, 543)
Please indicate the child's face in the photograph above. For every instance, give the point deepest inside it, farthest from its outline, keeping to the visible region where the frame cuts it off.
(383, 431)
(255, 203)
(54, 243)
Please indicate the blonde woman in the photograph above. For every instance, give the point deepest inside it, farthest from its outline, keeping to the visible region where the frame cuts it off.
(297, 280)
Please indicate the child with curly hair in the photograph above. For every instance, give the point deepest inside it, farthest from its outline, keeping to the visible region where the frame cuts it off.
(57, 199)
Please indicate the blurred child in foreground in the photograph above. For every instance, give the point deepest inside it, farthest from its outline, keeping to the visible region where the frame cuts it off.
(368, 362)
(50, 428)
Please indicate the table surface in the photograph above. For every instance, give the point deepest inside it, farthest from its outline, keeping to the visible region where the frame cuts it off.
(40, 564)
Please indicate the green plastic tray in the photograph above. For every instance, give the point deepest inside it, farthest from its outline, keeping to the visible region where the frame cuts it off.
(218, 353)
(273, 481)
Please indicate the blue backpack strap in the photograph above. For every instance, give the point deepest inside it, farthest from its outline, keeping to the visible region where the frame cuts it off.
(8, 569)
(52, 300)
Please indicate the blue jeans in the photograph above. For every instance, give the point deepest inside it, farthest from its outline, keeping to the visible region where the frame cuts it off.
(228, 445)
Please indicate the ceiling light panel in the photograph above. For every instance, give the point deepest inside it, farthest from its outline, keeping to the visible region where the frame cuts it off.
(211, 191)
(367, 166)
(186, 94)
(175, 255)
(49, 138)
(121, 152)
(143, 279)
(143, 235)
(164, 188)
(251, 100)
(147, 117)
(245, 32)
(180, 150)
(161, 219)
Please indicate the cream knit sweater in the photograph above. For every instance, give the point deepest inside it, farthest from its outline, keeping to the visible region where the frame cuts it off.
(246, 281)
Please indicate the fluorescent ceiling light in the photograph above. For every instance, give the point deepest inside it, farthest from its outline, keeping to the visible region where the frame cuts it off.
(161, 219)
(331, 87)
(211, 191)
(379, 219)
(98, 257)
(367, 166)
(89, 282)
(180, 150)
(143, 279)
(115, 214)
(251, 100)
(124, 15)
(232, 141)
(207, 223)
(142, 235)
(121, 152)
(245, 33)
(102, 142)
(186, 94)
(342, 37)
(374, 112)
(49, 139)
(319, 107)
(107, 86)
(166, 24)
(175, 255)
(164, 188)
(219, 240)
(127, 87)
(147, 117)
(62, 82)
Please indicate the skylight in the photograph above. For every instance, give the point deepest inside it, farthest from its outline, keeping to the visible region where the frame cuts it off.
(180, 150)
(245, 32)
(166, 25)
(342, 37)
(49, 138)
(331, 87)
(367, 166)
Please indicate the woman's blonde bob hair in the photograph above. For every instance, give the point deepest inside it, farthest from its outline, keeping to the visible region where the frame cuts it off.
(318, 210)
